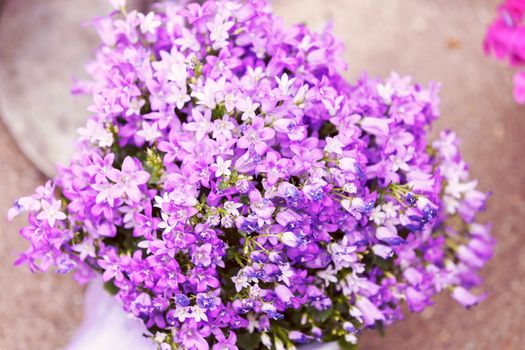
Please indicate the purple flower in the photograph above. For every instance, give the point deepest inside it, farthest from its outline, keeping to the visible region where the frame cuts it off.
(465, 297)
(255, 136)
(375, 126)
(127, 180)
(369, 311)
(284, 293)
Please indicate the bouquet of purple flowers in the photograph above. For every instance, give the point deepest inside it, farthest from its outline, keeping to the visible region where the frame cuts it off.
(234, 191)
(506, 40)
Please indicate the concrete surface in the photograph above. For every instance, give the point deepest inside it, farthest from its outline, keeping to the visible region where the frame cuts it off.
(431, 40)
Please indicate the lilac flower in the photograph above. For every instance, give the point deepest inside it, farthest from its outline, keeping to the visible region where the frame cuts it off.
(201, 124)
(256, 136)
(466, 298)
(275, 167)
(369, 311)
(284, 293)
(127, 180)
(375, 126)
(226, 343)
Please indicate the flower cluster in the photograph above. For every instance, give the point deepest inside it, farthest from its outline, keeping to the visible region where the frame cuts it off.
(506, 40)
(235, 192)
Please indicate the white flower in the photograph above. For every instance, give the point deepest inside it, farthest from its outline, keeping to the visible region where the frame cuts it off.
(85, 249)
(377, 216)
(96, 134)
(390, 210)
(352, 284)
(286, 273)
(223, 167)
(198, 314)
(353, 204)
(187, 41)
(160, 201)
(253, 323)
(51, 212)
(248, 108)
(301, 96)
(149, 132)
(343, 255)
(255, 292)
(289, 239)
(279, 344)
(223, 127)
(231, 207)
(240, 281)
(165, 224)
(306, 43)
(134, 106)
(456, 189)
(177, 73)
(328, 275)
(285, 84)
(350, 188)
(149, 23)
(206, 95)
(356, 313)
(255, 74)
(172, 67)
(178, 95)
(266, 340)
(219, 31)
(400, 163)
(229, 101)
(268, 307)
(182, 313)
(333, 145)
(333, 108)
(385, 92)
(160, 337)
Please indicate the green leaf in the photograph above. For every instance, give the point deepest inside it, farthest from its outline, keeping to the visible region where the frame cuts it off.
(380, 328)
(248, 341)
(110, 288)
(325, 315)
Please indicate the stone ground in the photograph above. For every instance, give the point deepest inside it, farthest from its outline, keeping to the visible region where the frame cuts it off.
(431, 40)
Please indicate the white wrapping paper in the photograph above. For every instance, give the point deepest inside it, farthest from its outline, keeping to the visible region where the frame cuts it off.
(107, 327)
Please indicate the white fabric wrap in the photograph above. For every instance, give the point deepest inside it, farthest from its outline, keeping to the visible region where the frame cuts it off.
(107, 327)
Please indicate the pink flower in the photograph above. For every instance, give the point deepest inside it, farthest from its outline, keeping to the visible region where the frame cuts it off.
(127, 180)
(519, 87)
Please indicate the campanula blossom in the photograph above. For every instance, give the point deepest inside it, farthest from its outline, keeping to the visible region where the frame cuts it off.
(127, 180)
